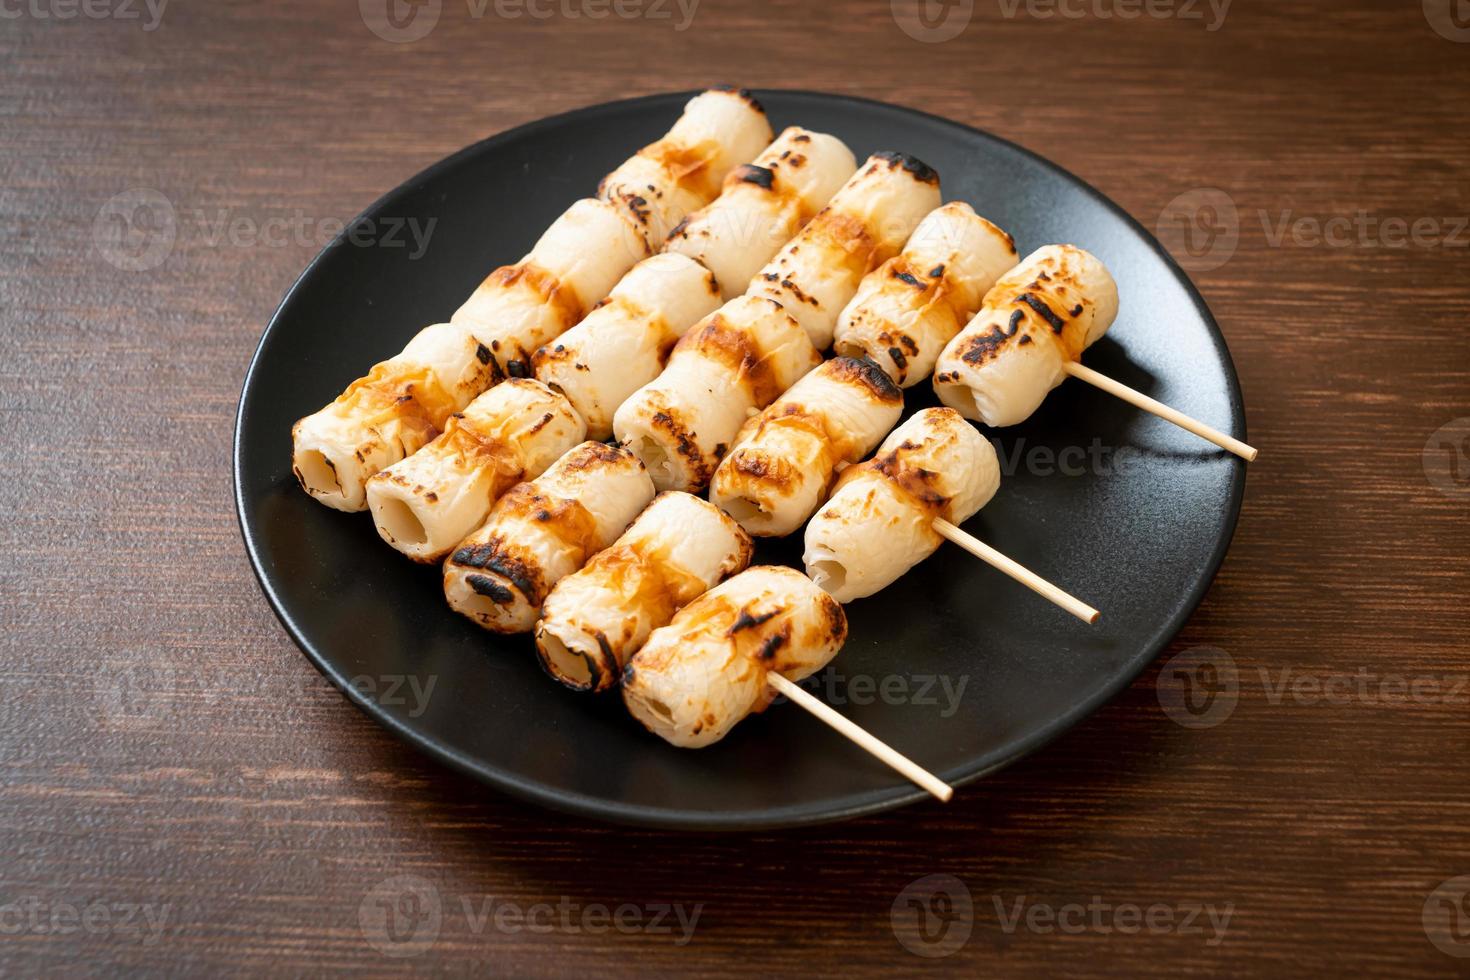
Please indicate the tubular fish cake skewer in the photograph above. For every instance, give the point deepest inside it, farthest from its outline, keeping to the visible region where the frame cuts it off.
(1039, 316)
(864, 225)
(763, 204)
(401, 404)
(425, 504)
(542, 531)
(879, 521)
(727, 367)
(907, 309)
(623, 343)
(595, 619)
(574, 264)
(681, 173)
(697, 677)
(785, 459)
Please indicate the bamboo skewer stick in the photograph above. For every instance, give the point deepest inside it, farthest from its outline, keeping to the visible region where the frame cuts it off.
(1140, 400)
(900, 763)
(1016, 571)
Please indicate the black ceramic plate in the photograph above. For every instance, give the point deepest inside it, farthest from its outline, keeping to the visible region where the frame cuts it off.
(1126, 511)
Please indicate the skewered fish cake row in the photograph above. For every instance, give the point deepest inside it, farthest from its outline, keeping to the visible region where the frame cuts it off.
(1042, 314)
(785, 459)
(707, 669)
(867, 221)
(665, 181)
(596, 618)
(734, 362)
(762, 205)
(739, 360)
(540, 532)
(879, 521)
(405, 401)
(906, 310)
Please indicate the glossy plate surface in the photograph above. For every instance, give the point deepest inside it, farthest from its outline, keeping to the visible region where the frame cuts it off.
(955, 665)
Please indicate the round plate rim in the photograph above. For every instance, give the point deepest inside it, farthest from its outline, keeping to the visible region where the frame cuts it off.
(798, 815)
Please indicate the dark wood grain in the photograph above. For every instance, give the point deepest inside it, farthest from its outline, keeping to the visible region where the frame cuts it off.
(163, 743)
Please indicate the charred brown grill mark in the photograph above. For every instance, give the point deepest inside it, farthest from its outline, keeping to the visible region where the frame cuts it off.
(772, 644)
(749, 173)
(679, 229)
(544, 421)
(868, 374)
(1024, 340)
(491, 589)
(747, 621)
(922, 171)
(745, 94)
(915, 481)
(482, 353)
(431, 497)
(909, 278)
(684, 444)
(982, 348)
(1077, 311)
(901, 362)
(1043, 311)
(733, 348)
(937, 271)
(594, 453)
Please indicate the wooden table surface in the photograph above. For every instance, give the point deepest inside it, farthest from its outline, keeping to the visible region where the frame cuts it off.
(181, 792)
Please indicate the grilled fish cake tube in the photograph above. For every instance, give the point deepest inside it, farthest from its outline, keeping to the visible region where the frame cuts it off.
(1043, 313)
(425, 504)
(864, 225)
(908, 308)
(623, 343)
(681, 173)
(879, 522)
(574, 264)
(785, 459)
(727, 367)
(401, 404)
(595, 619)
(763, 204)
(542, 531)
(697, 677)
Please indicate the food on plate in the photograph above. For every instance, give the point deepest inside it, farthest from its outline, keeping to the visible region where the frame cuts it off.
(762, 205)
(908, 308)
(401, 404)
(785, 458)
(697, 677)
(541, 531)
(878, 522)
(864, 225)
(596, 618)
(681, 173)
(624, 342)
(425, 504)
(573, 265)
(728, 366)
(1039, 316)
